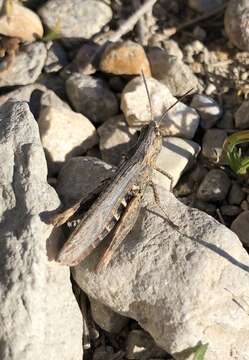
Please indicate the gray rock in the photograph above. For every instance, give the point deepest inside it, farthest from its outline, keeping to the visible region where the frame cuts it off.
(226, 122)
(230, 210)
(244, 205)
(212, 143)
(236, 23)
(236, 195)
(91, 97)
(64, 134)
(214, 186)
(37, 96)
(165, 279)
(78, 18)
(175, 157)
(172, 49)
(172, 72)
(140, 345)
(107, 353)
(116, 139)
(240, 226)
(80, 176)
(36, 323)
(205, 206)
(106, 318)
(56, 57)
(204, 5)
(242, 116)
(180, 121)
(208, 108)
(27, 65)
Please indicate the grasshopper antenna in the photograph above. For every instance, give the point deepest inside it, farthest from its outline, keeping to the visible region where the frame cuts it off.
(148, 95)
(171, 106)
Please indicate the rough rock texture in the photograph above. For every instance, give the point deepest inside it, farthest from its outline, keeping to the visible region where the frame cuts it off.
(56, 57)
(78, 18)
(236, 23)
(180, 121)
(91, 97)
(27, 65)
(116, 139)
(36, 323)
(214, 186)
(212, 143)
(64, 134)
(178, 285)
(22, 23)
(125, 58)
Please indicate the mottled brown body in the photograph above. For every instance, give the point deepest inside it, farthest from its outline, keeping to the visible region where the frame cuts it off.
(118, 204)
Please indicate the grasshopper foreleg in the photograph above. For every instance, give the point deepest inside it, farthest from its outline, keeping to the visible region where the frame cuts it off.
(158, 202)
(168, 175)
(123, 227)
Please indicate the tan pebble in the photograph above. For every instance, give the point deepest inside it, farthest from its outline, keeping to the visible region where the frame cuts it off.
(21, 23)
(127, 58)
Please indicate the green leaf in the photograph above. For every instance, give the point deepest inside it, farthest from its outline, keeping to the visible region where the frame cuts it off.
(201, 351)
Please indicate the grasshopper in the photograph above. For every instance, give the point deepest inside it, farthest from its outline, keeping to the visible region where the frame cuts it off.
(119, 204)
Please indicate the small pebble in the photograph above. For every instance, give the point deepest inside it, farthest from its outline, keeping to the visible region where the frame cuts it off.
(208, 108)
(240, 226)
(172, 49)
(22, 23)
(56, 57)
(230, 210)
(199, 33)
(83, 62)
(116, 139)
(210, 89)
(64, 133)
(236, 195)
(91, 97)
(244, 205)
(226, 122)
(78, 18)
(124, 58)
(236, 23)
(205, 206)
(175, 157)
(106, 318)
(72, 188)
(242, 116)
(171, 71)
(212, 143)
(214, 186)
(140, 345)
(204, 5)
(27, 65)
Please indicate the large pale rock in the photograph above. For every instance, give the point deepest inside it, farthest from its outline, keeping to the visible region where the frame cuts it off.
(64, 134)
(77, 18)
(181, 285)
(91, 97)
(181, 120)
(26, 67)
(40, 318)
(21, 22)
